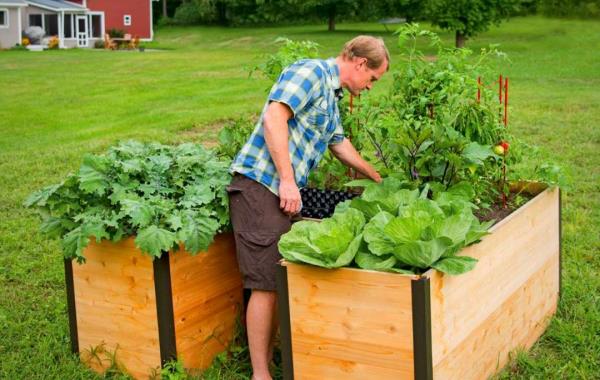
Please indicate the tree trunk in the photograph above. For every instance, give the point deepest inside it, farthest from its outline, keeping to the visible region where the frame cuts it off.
(331, 14)
(460, 39)
(164, 6)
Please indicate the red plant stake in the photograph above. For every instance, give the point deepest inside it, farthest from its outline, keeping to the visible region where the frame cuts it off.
(506, 102)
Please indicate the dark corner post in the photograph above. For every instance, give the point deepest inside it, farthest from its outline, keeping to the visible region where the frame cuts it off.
(560, 256)
(164, 308)
(421, 308)
(283, 304)
(71, 305)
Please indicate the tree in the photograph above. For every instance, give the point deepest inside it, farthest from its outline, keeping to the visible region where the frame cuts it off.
(469, 17)
(331, 9)
(411, 10)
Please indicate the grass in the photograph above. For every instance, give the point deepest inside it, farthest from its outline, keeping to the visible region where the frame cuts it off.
(57, 105)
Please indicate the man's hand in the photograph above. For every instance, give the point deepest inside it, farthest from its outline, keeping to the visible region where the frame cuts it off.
(290, 201)
(347, 154)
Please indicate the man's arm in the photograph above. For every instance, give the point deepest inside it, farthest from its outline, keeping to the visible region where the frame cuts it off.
(347, 154)
(276, 137)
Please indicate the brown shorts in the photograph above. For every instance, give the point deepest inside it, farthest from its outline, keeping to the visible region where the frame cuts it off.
(258, 223)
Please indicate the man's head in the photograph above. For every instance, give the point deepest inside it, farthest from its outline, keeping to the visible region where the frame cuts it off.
(363, 60)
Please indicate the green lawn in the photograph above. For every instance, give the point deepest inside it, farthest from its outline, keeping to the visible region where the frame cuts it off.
(57, 105)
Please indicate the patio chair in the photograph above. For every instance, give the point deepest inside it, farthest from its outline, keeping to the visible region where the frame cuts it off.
(134, 43)
(109, 43)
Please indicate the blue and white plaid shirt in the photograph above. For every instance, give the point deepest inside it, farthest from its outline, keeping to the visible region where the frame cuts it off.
(308, 87)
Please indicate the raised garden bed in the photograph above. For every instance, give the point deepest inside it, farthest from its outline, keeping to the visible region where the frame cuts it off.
(145, 311)
(357, 324)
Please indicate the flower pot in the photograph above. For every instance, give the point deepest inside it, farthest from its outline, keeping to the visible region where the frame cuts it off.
(357, 324)
(146, 311)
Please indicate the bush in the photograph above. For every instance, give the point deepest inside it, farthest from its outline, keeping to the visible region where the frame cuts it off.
(570, 8)
(99, 44)
(116, 33)
(195, 12)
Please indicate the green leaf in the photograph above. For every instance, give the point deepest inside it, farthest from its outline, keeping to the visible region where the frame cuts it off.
(378, 241)
(476, 153)
(141, 214)
(404, 230)
(455, 265)
(53, 227)
(155, 240)
(92, 175)
(40, 197)
(74, 243)
(367, 260)
(455, 227)
(422, 254)
(197, 231)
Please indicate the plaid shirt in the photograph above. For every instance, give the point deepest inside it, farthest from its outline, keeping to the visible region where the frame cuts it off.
(309, 88)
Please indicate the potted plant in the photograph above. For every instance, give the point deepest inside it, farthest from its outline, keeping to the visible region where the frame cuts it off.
(155, 275)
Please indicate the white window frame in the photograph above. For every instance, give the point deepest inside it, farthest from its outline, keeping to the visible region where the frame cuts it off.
(127, 20)
(6, 24)
(73, 33)
(102, 31)
(37, 14)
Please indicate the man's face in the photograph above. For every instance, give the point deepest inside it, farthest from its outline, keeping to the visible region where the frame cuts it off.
(362, 77)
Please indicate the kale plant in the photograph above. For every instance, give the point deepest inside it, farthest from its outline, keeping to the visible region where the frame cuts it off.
(163, 195)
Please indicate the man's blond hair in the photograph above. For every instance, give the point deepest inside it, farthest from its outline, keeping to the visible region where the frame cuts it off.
(369, 47)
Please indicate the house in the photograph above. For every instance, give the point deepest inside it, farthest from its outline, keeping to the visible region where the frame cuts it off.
(77, 23)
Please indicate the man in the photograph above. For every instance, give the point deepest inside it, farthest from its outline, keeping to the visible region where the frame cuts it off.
(299, 121)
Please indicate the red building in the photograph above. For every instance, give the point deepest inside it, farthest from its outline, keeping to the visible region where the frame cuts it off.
(132, 16)
(76, 23)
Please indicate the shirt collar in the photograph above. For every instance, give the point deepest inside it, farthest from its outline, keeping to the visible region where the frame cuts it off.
(334, 71)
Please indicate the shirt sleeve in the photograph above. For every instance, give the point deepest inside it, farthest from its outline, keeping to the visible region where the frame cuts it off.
(338, 135)
(297, 86)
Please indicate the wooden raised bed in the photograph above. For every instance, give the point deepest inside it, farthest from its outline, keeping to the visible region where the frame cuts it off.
(357, 324)
(148, 311)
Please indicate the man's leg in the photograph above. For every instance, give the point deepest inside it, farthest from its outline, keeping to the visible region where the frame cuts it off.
(260, 325)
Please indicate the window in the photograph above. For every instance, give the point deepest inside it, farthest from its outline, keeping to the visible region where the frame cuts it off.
(3, 18)
(127, 20)
(96, 23)
(51, 24)
(36, 20)
(68, 27)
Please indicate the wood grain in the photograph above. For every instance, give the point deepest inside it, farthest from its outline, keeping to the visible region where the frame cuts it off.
(350, 324)
(116, 306)
(207, 300)
(505, 302)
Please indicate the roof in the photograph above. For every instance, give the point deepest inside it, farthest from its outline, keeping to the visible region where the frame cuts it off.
(55, 5)
(13, 3)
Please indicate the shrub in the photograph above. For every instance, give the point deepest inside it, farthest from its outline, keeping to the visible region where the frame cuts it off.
(116, 33)
(196, 12)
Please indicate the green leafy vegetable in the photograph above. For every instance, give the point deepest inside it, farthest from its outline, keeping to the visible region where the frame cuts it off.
(163, 195)
(332, 243)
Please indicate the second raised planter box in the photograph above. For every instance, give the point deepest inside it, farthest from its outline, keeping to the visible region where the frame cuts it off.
(144, 312)
(357, 324)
